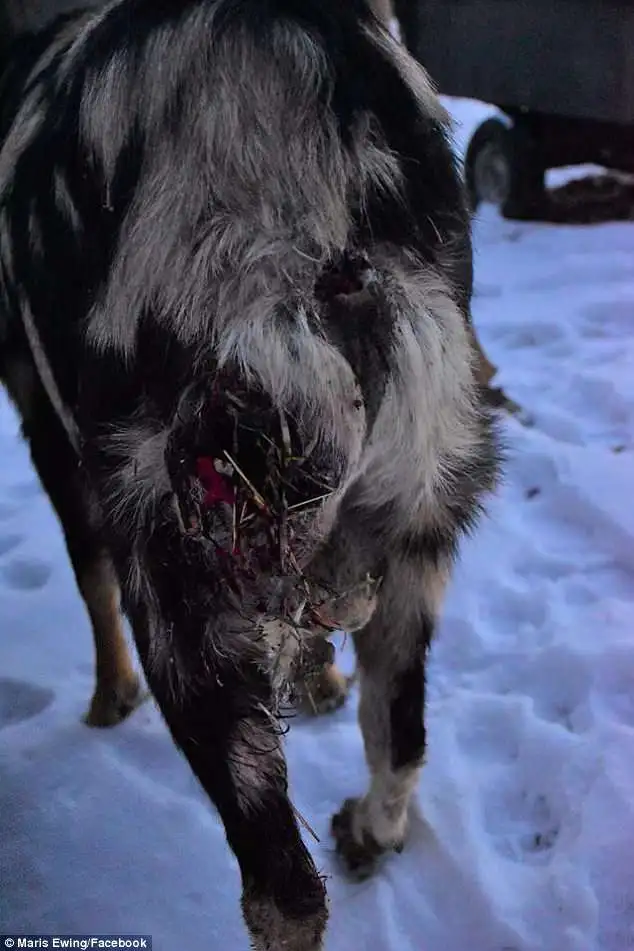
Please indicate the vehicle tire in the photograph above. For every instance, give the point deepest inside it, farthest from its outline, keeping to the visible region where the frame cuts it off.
(503, 167)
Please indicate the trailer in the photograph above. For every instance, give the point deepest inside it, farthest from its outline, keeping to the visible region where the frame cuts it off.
(560, 72)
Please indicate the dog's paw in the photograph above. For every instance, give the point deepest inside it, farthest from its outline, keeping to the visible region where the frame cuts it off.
(324, 691)
(355, 844)
(112, 704)
(272, 928)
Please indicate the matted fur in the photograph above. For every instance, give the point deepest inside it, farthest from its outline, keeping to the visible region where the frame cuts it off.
(179, 182)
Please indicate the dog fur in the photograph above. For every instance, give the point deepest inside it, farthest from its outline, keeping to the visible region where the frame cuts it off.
(175, 180)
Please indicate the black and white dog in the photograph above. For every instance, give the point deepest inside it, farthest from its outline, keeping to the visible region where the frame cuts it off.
(265, 189)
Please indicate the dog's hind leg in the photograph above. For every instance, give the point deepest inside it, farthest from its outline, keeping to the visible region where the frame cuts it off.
(391, 652)
(117, 689)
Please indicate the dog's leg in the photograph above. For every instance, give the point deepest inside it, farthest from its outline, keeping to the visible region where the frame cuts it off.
(391, 653)
(117, 689)
(237, 756)
(494, 396)
(220, 711)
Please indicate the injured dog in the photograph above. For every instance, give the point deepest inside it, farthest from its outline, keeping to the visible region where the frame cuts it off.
(235, 272)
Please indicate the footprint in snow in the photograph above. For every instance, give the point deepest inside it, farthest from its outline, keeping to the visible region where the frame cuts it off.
(558, 682)
(490, 728)
(537, 567)
(517, 337)
(21, 701)
(513, 612)
(8, 543)
(597, 399)
(522, 826)
(487, 290)
(7, 510)
(25, 574)
(611, 319)
(25, 491)
(615, 686)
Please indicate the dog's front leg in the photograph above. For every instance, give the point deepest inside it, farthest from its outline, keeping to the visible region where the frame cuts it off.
(209, 676)
(225, 728)
(391, 652)
(219, 708)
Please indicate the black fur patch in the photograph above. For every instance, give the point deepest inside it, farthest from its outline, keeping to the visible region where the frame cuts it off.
(407, 709)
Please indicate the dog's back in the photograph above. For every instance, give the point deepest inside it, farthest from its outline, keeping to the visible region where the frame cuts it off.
(283, 74)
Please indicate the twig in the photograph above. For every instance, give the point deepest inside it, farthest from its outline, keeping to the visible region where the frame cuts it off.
(234, 527)
(257, 498)
(286, 436)
(305, 823)
(314, 501)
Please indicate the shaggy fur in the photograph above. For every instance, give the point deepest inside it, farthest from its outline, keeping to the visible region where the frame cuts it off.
(182, 187)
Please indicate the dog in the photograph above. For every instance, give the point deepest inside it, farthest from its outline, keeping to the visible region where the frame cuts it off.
(211, 204)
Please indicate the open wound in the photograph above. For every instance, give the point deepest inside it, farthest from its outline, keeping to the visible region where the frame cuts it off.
(247, 486)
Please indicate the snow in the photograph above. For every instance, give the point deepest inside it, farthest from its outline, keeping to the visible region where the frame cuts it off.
(521, 837)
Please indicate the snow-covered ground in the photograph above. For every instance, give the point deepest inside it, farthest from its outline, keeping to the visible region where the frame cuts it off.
(523, 836)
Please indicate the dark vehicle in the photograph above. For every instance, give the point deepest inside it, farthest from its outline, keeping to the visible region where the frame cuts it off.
(560, 71)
